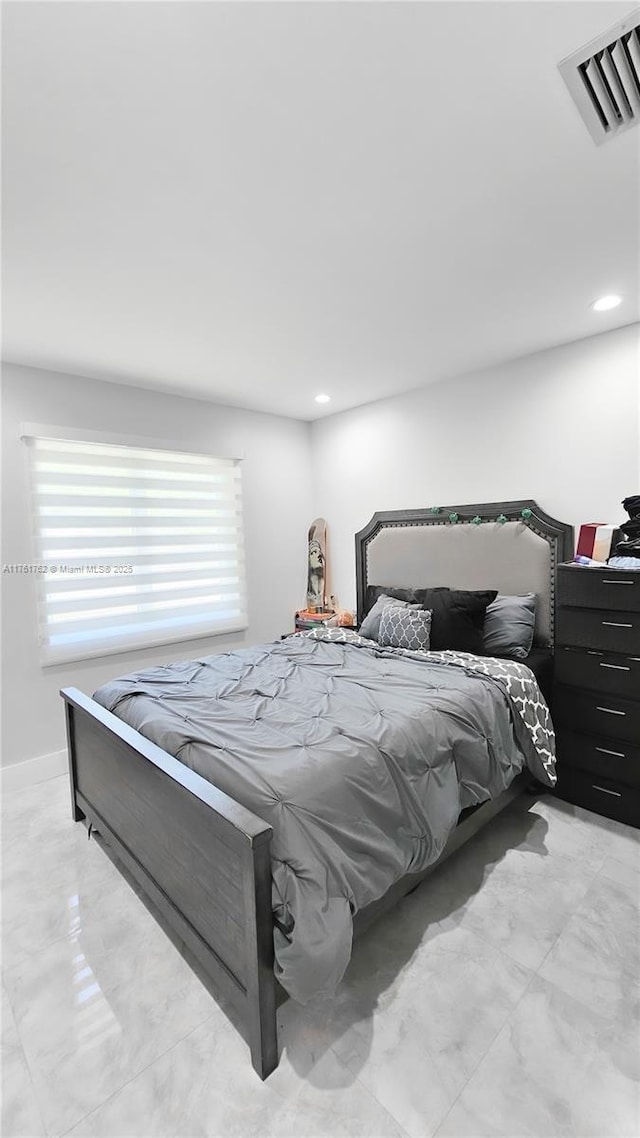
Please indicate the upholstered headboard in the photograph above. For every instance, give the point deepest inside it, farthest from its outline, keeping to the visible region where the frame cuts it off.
(513, 547)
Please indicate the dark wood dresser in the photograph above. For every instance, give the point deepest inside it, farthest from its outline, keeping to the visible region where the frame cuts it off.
(596, 705)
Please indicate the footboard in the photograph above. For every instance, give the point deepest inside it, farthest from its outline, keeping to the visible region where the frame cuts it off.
(200, 857)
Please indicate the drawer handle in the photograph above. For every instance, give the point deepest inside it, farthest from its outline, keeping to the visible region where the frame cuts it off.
(607, 582)
(618, 667)
(610, 710)
(618, 754)
(616, 624)
(594, 786)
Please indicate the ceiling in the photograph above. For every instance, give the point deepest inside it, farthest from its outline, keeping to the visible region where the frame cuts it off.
(256, 202)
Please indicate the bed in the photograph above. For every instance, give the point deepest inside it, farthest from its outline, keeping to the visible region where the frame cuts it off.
(206, 861)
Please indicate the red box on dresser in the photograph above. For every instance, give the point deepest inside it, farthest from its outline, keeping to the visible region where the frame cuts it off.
(596, 707)
(595, 540)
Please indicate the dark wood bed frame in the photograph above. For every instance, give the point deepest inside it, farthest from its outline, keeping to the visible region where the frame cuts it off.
(200, 858)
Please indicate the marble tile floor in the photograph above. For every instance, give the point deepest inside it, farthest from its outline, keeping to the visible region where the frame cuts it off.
(501, 998)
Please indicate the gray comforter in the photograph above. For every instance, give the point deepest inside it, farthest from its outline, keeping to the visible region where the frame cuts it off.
(361, 759)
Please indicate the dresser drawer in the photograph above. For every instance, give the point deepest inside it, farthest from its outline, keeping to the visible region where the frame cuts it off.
(602, 629)
(599, 588)
(600, 671)
(616, 762)
(590, 713)
(611, 799)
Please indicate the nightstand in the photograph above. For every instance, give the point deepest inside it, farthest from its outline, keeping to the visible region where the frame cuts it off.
(596, 706)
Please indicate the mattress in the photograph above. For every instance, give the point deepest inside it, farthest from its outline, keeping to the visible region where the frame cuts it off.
(361, 759)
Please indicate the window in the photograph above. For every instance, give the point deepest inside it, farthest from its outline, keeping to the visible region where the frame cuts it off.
(135, 547)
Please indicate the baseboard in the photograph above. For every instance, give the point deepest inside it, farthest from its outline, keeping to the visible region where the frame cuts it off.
(18, 776)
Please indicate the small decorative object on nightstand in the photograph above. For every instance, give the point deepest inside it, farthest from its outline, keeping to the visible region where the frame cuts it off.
(596, 707)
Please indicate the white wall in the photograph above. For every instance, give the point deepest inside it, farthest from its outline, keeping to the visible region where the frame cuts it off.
(560, 426)
(277, 506)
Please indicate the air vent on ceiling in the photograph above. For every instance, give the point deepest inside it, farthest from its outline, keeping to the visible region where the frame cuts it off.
(604, 79)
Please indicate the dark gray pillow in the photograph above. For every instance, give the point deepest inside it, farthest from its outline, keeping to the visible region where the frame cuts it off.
(370, 626)
(411, 594)
(405, 627)
(509, 626)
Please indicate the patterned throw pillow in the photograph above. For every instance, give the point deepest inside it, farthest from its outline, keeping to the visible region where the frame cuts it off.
(405, 628)
(370, 626)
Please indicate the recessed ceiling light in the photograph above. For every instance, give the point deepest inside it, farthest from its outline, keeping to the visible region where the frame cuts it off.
(323, 398)
(605, 303)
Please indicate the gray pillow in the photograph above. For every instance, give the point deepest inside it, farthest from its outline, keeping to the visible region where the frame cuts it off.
(405, 627)
(509, 626)
(370, 626)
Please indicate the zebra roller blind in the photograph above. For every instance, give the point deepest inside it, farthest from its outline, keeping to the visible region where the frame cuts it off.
(135, 547)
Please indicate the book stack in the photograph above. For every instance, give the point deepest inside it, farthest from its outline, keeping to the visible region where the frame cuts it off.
(306, 620)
